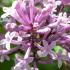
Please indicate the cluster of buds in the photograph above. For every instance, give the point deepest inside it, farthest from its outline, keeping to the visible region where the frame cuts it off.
(36, 27)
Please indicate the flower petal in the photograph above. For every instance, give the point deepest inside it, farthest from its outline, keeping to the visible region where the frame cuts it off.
(42, 53)
(7, 34)
(2, 42)
(44, 30)
(7, 45)
(45, 43)
(53, 44)
(59, 63)
(1, 58)
(31, 5)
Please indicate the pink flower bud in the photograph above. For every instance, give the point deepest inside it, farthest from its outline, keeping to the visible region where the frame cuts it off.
(10, 26)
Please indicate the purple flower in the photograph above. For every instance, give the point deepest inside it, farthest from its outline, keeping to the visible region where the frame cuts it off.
(35, 31)
(61, 57)
(27, 19)
(47, 49)
(23, 63)
(8, 39)
(3, 55)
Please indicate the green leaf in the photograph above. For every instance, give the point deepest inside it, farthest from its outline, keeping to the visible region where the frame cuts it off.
(53, 66)
(57, 48)
(6, 65)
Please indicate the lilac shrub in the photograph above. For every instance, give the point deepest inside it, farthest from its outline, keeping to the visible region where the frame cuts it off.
(36, 30)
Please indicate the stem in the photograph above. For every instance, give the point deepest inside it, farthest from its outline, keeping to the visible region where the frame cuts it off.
(34, 49)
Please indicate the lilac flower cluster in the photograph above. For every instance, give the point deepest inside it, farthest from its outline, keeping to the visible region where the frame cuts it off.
(36, 30)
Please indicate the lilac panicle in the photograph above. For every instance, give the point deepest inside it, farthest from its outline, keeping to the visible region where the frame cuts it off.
(35, 30)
